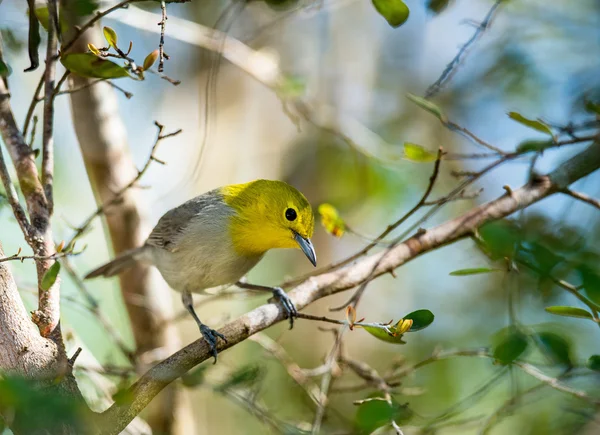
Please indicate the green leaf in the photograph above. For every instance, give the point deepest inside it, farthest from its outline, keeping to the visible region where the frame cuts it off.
(534, 145)
(394, 11)
(511, 345)
(195, 377)
(417, 153)
(373, 414)
(84, 7)
(590, 278)
(279, 5)
(437, 6)
(50, 276)
(556, 348)
(535, 124)
(291, 87)
(91, 66)
(499, 239)
(111, 36)
(34, 39)
(569, 312)
(592, 107)
(384, 336)
(594, 363)
(474, 271)
(43, 16)
(244, 376)
(429, 106)
(5, 70)
(421, 319)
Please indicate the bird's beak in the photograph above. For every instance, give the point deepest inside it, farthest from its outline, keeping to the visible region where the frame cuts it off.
(307, 247)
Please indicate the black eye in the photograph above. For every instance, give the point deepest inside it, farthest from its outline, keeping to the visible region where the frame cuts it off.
(290, 214)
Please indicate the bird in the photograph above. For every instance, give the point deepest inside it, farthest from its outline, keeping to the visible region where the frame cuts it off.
(216, 238)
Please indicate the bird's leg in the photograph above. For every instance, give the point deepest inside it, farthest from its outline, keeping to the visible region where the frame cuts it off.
(210, 335)
(278, 294)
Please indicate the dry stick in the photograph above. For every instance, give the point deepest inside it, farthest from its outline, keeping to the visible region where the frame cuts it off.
(161, 44)
(582, 197)
(48, 122)
(292, 368)
(450, 69)
(65, 47)
(94, 308)
(21, 258)
(330, 362)
(32, 105)
(118, 195)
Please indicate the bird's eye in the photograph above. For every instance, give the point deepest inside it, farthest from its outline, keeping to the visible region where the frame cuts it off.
(290, 214)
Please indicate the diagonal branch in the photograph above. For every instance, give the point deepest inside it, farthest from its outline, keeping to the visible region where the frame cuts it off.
(150, 384)
(450, 69)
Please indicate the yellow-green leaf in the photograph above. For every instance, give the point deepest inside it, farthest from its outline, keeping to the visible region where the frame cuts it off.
(394, 11)
(50, 276)
(429, 106)
(150, 60)
(43, 16)
(531, 123)
(473, 271)
(384, 335)
(534, 145)
(331, 220)
(93, 49)
(111, 36)
(569, 312)
(417, 153)
(89, 65)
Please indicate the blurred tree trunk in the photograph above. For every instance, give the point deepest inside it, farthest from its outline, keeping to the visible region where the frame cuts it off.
(103, 142)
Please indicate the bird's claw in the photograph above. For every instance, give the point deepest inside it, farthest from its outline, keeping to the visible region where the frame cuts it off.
(287, 304)
(211, 336)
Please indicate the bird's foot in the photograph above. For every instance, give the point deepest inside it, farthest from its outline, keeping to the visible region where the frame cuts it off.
(211, 336)
(287, 304)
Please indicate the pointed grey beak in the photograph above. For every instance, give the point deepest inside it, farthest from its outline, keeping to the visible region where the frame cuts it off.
(307, 247)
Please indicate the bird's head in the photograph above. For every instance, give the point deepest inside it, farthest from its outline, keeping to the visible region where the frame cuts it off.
(269, 214)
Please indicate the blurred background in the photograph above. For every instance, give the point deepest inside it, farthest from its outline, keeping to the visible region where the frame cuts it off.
(538, 58)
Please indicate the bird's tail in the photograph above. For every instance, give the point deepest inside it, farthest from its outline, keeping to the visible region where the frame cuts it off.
(122, 262)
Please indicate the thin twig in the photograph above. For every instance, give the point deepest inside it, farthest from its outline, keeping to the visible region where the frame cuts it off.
(451, 68)
(34, 101)
(582, 197)
(161, 44)
(65, 47)
(119, 194)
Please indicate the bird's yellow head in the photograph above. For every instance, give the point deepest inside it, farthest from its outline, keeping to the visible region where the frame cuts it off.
(269, 214)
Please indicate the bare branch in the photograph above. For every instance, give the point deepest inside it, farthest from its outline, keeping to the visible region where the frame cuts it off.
(314, 288)
(450, 69)
(583, 197)
(48, 123)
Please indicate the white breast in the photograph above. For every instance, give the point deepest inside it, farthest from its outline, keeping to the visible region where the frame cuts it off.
(202, 256)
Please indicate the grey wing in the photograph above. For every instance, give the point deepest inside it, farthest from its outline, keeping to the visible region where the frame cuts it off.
(172, 225)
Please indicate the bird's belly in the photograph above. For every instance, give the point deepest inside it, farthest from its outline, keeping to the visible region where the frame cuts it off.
(203, 269)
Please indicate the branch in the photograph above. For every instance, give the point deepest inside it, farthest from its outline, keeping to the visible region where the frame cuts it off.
(48, 124)
(582, 197)
(450, 69)
(39, 235)
(141, 393)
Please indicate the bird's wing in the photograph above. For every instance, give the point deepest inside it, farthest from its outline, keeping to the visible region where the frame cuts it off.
(172, 225)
